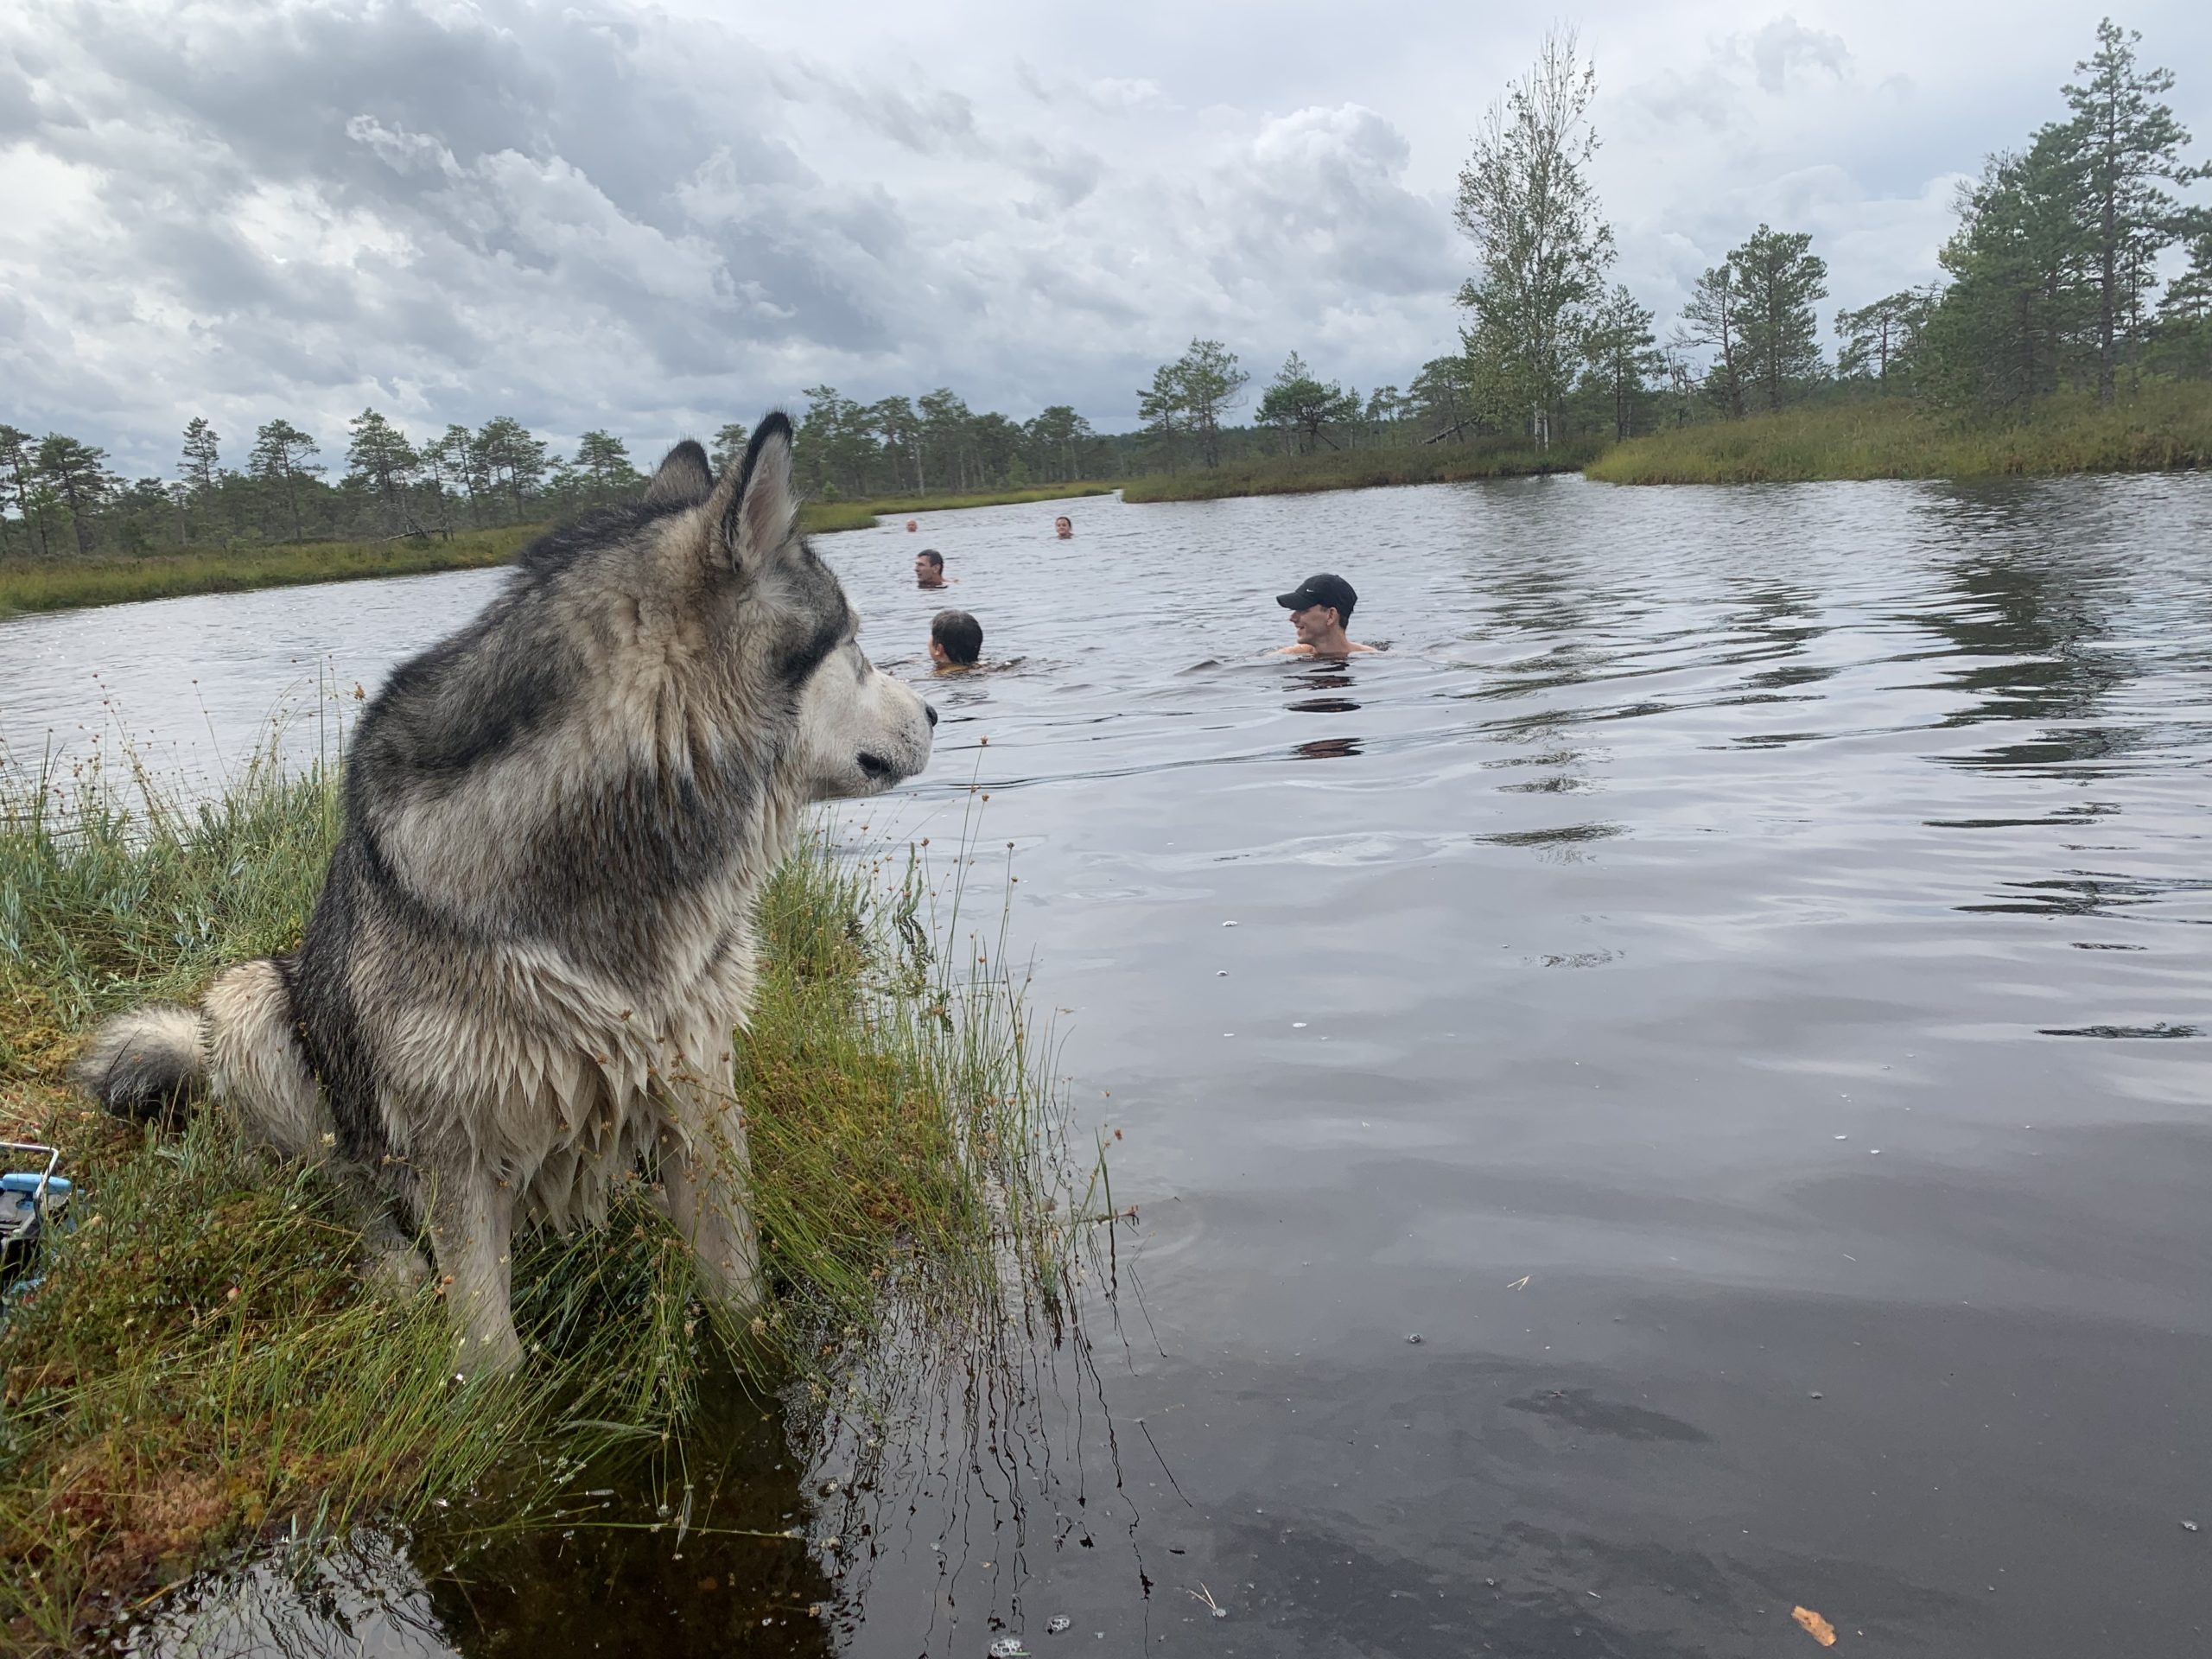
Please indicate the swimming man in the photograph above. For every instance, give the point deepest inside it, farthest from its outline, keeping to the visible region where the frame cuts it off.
(929, 568)
(956, 641)
(1319, 608)
(1064, 527)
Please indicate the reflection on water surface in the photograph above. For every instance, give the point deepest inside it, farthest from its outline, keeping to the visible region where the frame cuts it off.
(1797, 1246)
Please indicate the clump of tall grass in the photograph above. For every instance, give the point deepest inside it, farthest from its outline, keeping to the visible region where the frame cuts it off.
(200, 1363)
(1361, 469)
(2164, 426)
(61, 584)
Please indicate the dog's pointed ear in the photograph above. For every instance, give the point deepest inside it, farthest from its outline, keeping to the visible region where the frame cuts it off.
(684, 479)
(755, 508)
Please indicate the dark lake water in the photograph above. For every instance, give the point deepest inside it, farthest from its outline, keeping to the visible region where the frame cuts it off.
(1731, 978)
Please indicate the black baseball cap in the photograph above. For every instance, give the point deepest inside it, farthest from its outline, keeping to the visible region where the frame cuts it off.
(1324, 589)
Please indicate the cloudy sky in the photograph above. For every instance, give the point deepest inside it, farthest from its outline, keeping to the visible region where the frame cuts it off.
(657, 218)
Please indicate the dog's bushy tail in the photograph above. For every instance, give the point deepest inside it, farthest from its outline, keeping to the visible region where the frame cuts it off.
(240, 1045)
(149, 1064)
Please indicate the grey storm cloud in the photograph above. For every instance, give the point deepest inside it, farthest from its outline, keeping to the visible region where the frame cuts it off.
(604, 215)
(656, 216)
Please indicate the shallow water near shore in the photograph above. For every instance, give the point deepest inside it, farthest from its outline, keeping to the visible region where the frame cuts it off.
(1730, 981)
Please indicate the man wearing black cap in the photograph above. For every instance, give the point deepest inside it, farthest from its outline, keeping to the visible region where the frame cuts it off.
(1319, 608)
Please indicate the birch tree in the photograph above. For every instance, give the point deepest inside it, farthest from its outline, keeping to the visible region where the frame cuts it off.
(1542, 245)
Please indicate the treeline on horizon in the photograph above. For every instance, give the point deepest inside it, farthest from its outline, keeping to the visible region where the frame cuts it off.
(59, 497)
(2051, 284)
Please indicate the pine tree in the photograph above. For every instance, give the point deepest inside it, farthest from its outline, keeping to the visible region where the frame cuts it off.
(1442, 398)
(381, 461)
(1712, 320)
(505, 445)
(2183, 333)
(76, 472)
(279, 459)
(1778, 279)
(2129, 146)
(452, 455)
(201, 459)
(1160, 407)
(2019, 314)
(1211, 385)
(729, 450)
(1879, 339)
(604, 461)
(1622, 355)
(15, 456)
(1303, 408)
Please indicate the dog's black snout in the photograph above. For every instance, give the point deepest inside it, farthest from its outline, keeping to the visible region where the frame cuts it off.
(929, 708)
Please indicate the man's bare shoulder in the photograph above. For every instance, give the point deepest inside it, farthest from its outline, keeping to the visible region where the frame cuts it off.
(1292, 651)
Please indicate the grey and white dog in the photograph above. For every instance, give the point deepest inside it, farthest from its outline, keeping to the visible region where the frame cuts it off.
(536, 936)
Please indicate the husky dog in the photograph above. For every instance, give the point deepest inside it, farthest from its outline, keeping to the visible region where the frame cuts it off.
(535, 936)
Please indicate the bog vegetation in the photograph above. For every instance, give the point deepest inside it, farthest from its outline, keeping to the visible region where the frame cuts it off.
(199, 1365)
(2163, 426)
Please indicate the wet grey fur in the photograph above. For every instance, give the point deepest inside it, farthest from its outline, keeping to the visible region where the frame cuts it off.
(535, 938)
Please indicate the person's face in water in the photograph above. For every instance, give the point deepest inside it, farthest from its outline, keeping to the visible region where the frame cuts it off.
(1315, 624)
(1064, 528)
(928, 571)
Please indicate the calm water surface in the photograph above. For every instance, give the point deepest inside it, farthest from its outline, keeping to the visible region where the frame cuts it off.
(1730, 979)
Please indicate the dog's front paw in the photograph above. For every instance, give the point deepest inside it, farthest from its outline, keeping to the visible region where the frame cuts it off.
(495, 1353)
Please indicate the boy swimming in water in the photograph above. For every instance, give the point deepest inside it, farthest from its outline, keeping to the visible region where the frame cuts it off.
(1319, 608)
(956, 641)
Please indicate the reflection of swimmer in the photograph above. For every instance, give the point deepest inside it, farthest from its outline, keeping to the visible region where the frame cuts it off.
(1319, 608)
(929, 568)
(1064, 527)
(956, 641)
(1326, 748)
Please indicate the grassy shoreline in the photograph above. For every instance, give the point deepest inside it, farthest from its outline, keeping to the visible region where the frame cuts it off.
(200, 1366)
(1359, 469)
(818, 517)
(2162, 428)
(62, 584)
